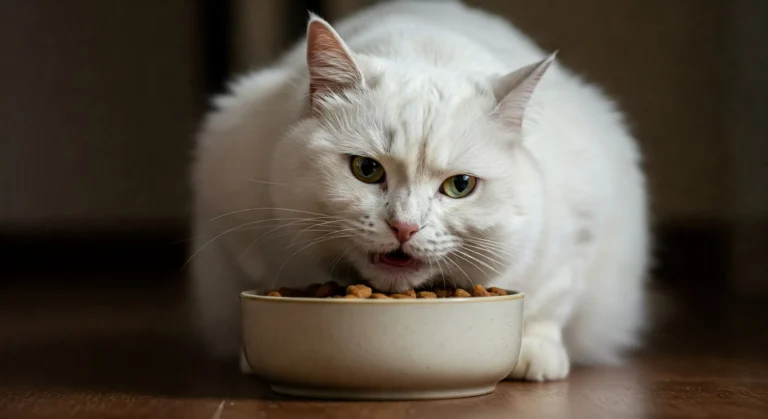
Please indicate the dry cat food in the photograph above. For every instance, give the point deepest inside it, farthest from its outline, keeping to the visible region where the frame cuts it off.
(362, 291)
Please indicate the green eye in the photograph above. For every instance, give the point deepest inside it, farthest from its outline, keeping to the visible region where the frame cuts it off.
(459, 186)
(367, 170)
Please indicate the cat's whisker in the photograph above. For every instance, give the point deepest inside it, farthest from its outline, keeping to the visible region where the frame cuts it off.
(272, 231)
(263, 182)
(294, 232)
(345, 230)
(483, 246)
(491, 243)
(464, 258)
(339, 258)
(450, 271)
(462, 270)
(442, 274)
(491, 257)
(277, 276)
(242, 227)
(225, 232)
(322, 224)
(271, 209)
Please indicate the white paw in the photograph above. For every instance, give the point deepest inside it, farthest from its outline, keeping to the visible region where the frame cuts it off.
(541, 359)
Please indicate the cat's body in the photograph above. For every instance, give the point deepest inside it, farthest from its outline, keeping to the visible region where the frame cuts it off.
(559, 211)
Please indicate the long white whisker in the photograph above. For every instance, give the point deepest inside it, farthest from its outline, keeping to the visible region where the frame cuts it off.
(305, 247)
(450, 271)
(324, 235)
(492, 243)
(272, 231)
(222, 234)
(442, 274)
(321, 224)
(271, 209)
(457, 253)
(483, 246)
(263, 182)
(339, 258)
(473, 264)
(462, 270)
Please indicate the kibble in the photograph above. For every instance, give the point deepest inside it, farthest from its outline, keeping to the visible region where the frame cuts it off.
(363, 291)
(359, 291)
(480, 291)
(460, 293)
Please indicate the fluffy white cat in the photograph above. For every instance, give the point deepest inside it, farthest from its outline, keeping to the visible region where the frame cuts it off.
(423, 142)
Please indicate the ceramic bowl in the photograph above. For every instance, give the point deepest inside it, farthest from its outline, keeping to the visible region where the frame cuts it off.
(382, 349)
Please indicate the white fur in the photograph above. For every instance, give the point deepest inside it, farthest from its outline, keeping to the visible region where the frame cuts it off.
(564, 200)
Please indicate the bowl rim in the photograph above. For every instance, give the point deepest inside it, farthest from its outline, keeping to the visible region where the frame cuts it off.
(258, 296)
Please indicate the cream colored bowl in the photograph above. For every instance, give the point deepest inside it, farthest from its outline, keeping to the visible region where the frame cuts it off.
(382, 349)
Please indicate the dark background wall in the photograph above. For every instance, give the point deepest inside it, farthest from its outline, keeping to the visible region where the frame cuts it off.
(100, 101)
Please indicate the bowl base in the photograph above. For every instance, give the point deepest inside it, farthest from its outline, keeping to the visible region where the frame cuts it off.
(341, 394)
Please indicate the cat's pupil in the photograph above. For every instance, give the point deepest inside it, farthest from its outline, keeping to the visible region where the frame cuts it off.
(461, 182)
(368, 167)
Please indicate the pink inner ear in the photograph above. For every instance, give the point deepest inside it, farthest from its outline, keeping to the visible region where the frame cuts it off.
(331, 67)
(521, 85)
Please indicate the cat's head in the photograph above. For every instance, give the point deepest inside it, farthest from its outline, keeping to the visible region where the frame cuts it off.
(425, 165)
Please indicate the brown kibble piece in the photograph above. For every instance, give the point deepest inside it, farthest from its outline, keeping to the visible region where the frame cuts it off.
(480, 291)
(326, 290)
(461, 293)
(364, 291)
(312, 289)
(290, 292)
(359, 291)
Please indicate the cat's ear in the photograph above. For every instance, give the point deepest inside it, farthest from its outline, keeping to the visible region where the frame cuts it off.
(331, 66)
(514, 90)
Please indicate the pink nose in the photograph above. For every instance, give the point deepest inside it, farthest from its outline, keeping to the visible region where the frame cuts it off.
(403, 231)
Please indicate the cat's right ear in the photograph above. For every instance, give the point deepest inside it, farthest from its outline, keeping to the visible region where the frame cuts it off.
(331, 66)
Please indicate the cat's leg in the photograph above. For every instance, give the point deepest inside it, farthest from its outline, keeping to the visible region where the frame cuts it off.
(543, 356)
(610, 314)
(215, 301)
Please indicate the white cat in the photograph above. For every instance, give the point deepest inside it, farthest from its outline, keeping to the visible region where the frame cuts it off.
(426, 142)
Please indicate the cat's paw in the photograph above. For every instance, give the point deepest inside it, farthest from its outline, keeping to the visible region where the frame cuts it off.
(541, 359)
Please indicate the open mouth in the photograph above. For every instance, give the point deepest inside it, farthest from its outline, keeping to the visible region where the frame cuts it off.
(397, 258)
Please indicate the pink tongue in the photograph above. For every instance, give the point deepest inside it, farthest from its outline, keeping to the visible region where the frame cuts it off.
(396, 262)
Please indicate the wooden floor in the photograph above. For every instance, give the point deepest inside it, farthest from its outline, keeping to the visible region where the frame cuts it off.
(125, 350)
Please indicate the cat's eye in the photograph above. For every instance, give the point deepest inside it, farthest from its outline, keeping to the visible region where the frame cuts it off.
(367, 170)
(459, 186)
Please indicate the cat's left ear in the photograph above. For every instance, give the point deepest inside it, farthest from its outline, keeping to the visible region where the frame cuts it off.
(514, 90)
(331, 66)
